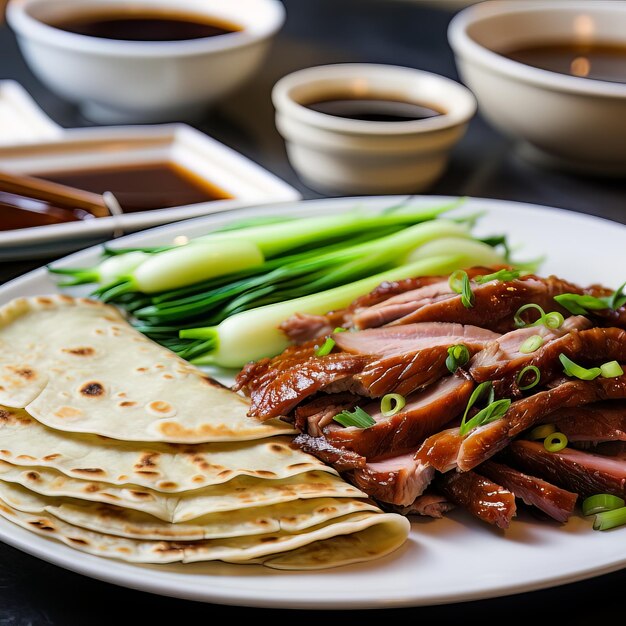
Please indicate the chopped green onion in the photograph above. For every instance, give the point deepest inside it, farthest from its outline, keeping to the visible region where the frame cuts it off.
(541, 432)
(612, 369)
(618, 299)
(460, 283)
(503, 275)
(576, 371)
(458, 356)
(484, 389)
(358, 418)
(532, 344)
(326, 347)
(551, 320)
(610, 519)
(531, 383)
(391, 404)
(555, 442)
(580, 304)
(494, 411)
(339, 329)
(601, 502)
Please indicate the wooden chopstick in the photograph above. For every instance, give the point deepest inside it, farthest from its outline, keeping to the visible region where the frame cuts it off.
(54, 193)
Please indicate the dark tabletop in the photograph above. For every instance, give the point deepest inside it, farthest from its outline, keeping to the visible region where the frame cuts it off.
(484, 164)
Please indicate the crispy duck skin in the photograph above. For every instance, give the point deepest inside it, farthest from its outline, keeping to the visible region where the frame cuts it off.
(600, 422)
(441, 449)
(312, 416)
(585, 347)
(581, 472)
(558, 503)
(483, 498)
(339, 458)
(485, 441)
(398, 480)
(495, 304)
(424, 414)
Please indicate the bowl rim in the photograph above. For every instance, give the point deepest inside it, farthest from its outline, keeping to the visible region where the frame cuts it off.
(468, 48)
(460, 108)
(29, 27)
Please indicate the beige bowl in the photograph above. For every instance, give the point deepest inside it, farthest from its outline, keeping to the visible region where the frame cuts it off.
(569, 121)
(339, 155)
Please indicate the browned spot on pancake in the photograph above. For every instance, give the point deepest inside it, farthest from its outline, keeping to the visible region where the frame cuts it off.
(68, 411)
(263, 522)
(80, 542)
(26, 457)
(327, 510)
(110, 318)
(276, 447)
(298, 465)
(5, 509)
(168, 376)
(32, 475)
(5, 452)
(147, 459)
(127, 403)
(141, 369)
(224, 473)
(123, 550)
(1, 388)
(122, 478)
(140, 495)
(291, 518)
(265, 473)
(168, 484)
(24, 372)
(92, 389)
(91, 488)
(268, 539)
(51, 457)
(160, 406)
(45, 301)
(198, 479)
(175, 430)
(65, 298)
(88, 470)
(148, 473)
(98, 331)
(42, 524)
(89, 302)
(80, 351)
(159, 366)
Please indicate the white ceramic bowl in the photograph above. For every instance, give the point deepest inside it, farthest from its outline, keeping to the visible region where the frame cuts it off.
(570, 121)
(340, 155)
(136, 81)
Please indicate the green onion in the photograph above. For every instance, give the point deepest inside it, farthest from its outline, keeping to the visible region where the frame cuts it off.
(480, 253)
(502, 275)
(541, 432)
(531, 383)
(580, 304)
(551, 320)
(460, 283)
(358, 418)
(492, 412)
(612, 369)
(555, 442)
(391, 404)
(610, 519)
(458, 356)
(340, 329)
(532, 344)
(326, 347)
(576, 371)
(601, 502)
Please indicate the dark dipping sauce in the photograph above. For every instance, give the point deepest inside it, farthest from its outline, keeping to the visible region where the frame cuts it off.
(143, 187)
(144, 25)
(373, 109)
(597, 61)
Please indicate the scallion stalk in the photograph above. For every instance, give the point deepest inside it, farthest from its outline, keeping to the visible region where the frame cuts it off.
(391, 404)
(610, 519)
(601, 502)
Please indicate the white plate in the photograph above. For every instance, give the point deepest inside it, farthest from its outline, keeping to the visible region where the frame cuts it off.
(447, 560)
(84, 148)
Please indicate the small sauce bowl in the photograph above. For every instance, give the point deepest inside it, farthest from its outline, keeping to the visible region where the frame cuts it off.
(343, 155)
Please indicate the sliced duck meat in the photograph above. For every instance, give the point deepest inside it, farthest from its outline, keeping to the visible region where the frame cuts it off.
(603, 421)
(495, 304)
(503, 356)
(339, 458)
(312, 416)
(485, 441)
(302, 327)
(441, 450)
(428, 504)
(424, 414)
(279, 393)
(586, 347)
(483, 498)
(397, 480)
(558, 503)
(581, 472)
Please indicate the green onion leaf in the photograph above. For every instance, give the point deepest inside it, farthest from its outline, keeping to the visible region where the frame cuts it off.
(494, 411)
(618, 299)
(576, 371)
(555, 442)
(326, 347)
(581, 304)
(522, 376)
(601, 502)
(358, 418)
(612, 369)
(610, 519)
(391, 404)
(460, 283)
(551, 320)
(484, 389)
(458, 356)
(541, 432)
(503, 275)
(339, 329)
(532, 344)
